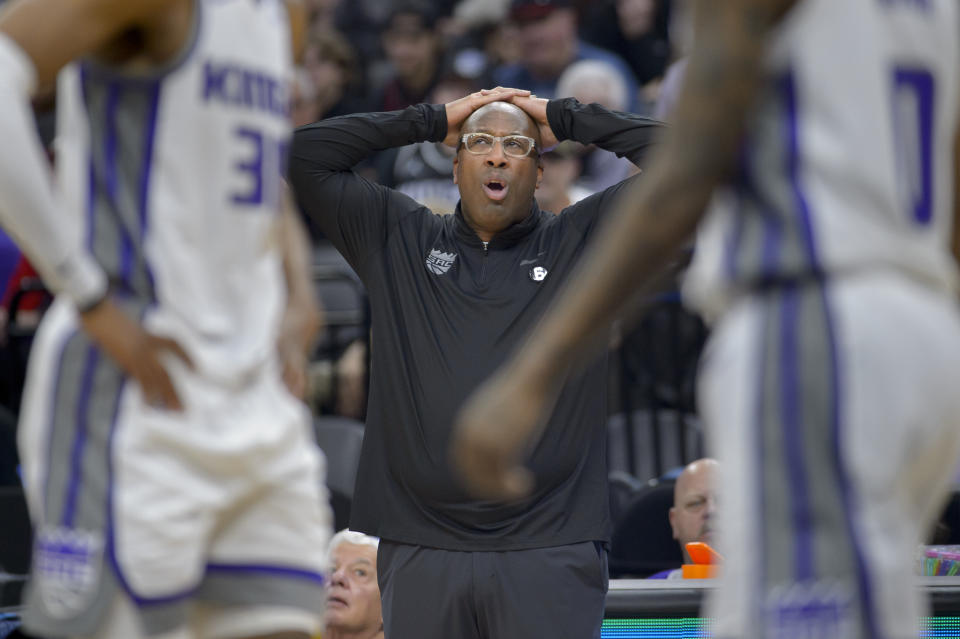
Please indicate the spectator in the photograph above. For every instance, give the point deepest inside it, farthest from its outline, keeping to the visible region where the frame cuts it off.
(597, 81)
(549, 43)
(641, 40)
(322, 14)
(363, 20)
(331, 64)
(558, 188)
(353, 600)
(304, 103)
(681, 37)
(413, 49)
(694, 509)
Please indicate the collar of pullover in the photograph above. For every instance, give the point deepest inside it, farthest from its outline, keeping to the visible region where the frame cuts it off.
(505, 238)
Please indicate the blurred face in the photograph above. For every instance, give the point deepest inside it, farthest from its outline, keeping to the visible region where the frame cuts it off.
(549, 43)
(496, 189)
(559, 174)
(411, 48)
(353, 600)
(636, 16)
(303, 101)
(694, 505)
(328, 77)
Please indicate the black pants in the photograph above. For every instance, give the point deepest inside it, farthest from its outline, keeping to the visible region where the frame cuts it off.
(556, 592)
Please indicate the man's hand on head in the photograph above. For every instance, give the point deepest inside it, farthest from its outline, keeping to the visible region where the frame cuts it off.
(536, 108)
(459, 110)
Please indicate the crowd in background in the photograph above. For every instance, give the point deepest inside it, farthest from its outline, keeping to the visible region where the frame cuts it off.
(380, 55)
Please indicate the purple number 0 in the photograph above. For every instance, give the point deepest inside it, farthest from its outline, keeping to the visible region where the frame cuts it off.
(262, 167)
(913, 100)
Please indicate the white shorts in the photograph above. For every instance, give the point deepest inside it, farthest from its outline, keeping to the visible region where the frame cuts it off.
(835, 413)
(223, 503)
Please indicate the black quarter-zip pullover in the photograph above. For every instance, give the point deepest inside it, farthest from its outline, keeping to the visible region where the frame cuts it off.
(447, 311)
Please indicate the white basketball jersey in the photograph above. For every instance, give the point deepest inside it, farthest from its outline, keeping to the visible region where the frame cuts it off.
(847, 162)
(175, 179)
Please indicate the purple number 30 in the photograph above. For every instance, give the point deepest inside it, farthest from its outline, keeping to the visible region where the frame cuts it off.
(261, 167)
(913, 101)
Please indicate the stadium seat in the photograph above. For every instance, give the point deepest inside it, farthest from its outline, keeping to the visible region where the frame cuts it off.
(16, 537)
(340, 439)
(643, 542)
(623, 490)
(344, 301)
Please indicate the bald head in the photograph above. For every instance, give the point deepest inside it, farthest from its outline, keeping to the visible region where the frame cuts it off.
(502, 113)
(700, 472)
(694, 503)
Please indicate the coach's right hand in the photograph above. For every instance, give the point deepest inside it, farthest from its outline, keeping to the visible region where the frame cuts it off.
(136, 351)
(459, 110)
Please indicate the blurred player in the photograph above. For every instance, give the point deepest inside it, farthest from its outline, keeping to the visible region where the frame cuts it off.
(830, 382)
(170, 472)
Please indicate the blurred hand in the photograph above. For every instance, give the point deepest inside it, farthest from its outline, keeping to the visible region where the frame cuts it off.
(136, 351)
(459, 110)
(298, 330)
(493, 432)
(536, 108)
(351, 373)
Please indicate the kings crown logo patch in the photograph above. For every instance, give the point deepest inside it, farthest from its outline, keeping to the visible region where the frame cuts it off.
(67, 565)
(439, 262)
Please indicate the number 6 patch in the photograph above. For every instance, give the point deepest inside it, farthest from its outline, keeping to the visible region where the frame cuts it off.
(538, 274)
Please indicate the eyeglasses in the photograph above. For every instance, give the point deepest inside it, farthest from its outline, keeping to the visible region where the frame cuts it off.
(517, 146)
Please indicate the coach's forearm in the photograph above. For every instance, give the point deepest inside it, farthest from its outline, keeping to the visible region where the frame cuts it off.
(338, 144)
(626, 134)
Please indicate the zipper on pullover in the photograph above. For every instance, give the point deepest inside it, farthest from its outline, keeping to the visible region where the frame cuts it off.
(483, 264)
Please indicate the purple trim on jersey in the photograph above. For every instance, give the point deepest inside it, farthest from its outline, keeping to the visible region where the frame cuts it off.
(867, 600)
(788, 88)
(80, 439)
(146, 602)
(110, 141)
(235, 569)
(772, 234)
(125, 250)
(144, 195)
(53, 417)
(91, 171)
(262, 569)
(789, 91)
(759, 425)
(792, 416)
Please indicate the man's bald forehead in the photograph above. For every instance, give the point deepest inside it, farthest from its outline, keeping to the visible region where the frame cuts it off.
(697, 468)
(524, 123)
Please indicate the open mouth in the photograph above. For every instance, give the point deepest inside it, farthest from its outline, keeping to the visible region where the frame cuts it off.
(495, 189)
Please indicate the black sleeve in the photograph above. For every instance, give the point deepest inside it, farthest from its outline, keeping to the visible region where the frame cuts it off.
(625, 134)
(354, 213)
